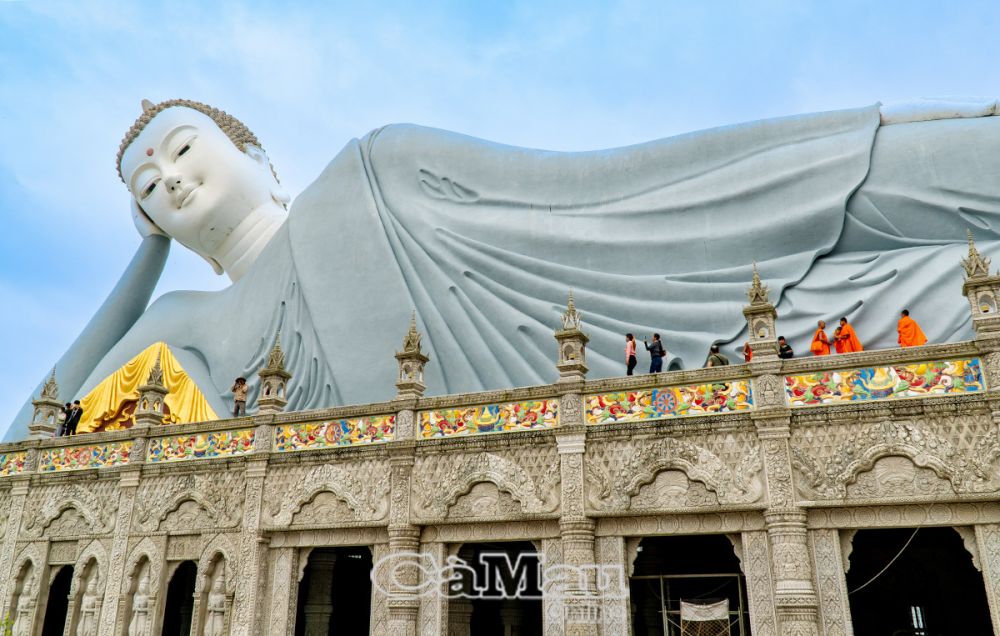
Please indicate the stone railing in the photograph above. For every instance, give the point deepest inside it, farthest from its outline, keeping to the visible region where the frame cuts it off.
(926, 373)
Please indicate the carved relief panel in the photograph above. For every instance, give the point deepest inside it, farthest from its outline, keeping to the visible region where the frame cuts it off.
(344, 492)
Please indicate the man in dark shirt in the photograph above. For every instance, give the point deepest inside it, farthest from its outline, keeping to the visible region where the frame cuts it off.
(656, 354)
(716, 359)
(784, 349)
(73, 418)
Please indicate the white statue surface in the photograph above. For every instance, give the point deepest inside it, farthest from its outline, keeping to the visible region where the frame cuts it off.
(215, 608)
(845, 215)
(87, 625)
(139, 623)
(26, 605)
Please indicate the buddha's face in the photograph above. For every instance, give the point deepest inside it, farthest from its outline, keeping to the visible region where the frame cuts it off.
(192, 181)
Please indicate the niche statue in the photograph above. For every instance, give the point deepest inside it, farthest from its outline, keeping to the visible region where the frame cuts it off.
(854, 213)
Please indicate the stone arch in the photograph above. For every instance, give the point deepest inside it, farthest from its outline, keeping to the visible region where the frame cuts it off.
(179, 499)
(502, 473)
(146, 549)
(26, 584)
(219, 547)
(216, 562)
(87, 513)
(91, 565)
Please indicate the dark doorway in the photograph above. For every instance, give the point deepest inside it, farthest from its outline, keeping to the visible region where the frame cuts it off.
(699, 569)
(335, 592)
(57, 606)
(502, 596)
(930, 589)
(180, 600)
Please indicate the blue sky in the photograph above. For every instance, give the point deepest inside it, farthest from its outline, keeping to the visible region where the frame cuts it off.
(308, 76)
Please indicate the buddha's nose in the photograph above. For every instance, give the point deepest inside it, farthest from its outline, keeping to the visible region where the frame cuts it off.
(173, 182)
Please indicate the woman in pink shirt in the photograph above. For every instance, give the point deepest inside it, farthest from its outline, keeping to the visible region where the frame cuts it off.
(630, 358)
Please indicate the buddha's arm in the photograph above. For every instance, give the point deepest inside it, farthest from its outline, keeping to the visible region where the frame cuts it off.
(123, 306)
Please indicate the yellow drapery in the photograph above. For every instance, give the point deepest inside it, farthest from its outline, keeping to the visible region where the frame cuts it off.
(102, 407)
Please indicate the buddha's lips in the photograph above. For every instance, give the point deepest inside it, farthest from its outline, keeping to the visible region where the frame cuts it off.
(185, 196)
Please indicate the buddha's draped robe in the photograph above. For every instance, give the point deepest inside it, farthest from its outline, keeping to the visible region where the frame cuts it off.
(484, 241)
(910, 334)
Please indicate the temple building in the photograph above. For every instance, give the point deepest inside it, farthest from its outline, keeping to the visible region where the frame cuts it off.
(842, 494)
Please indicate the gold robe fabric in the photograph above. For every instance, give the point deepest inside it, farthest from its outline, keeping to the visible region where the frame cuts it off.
(107, 406)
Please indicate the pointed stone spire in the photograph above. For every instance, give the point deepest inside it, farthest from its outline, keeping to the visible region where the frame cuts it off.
(761, 320)
(572, 360)
(273, 380)
(976, 265)
(51, 389)
(151, 405)
(45, 417)
(571, 318)
(411, 361)
(758, 292)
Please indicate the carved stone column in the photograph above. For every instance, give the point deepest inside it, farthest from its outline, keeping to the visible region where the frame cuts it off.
(988, 540)
(247, 618)
(283, 564)
(613, 587)
(18, 495)
(112, 605)
(755, 559)
(582, 607)
(794, 593)
(435, 610)
(460, 617)
(831, 583)
(553, 606)
(378, 622)
(404, 542)
(318, 607)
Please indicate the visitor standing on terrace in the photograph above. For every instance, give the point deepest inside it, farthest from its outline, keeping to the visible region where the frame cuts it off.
(910, 333)
(630, 359)
(716, 359)
(849, 338)
(656, 354)
(784, 349)
(820, 343)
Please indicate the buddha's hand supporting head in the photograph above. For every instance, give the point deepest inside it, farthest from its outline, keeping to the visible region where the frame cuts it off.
(200, 176)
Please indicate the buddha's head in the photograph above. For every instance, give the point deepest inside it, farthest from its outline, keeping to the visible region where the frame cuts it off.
(202, 178)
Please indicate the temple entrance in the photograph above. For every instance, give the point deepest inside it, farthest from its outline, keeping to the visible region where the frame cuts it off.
(335, 593)
(57, 606)
(701, 572)
(915, 582)
(179, 607)
(504, 589)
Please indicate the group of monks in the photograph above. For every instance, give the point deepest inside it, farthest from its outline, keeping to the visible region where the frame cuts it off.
(845, 340)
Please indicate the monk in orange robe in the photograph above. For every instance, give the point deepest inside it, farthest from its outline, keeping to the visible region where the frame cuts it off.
(820, 343)
(838, 343)
(910, 333)
(850, 338)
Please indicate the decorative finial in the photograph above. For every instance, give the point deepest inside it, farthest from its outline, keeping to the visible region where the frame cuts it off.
(155, 374)
(147, 105)
(976, 265)
(571, 318)
(51, 390)
(411, 342)
(758, 291)
(276, 359)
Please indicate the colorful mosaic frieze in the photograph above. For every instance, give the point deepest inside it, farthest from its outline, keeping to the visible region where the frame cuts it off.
(200, 446)
(82, 457)
(492, 418)
(347, 432)
(12, 463)
(938, 377)
(669, 402)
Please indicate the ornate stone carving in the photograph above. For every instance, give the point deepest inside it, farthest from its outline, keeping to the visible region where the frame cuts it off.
(988, 538)
(756, 564)
(827, 472)
(71, 509)
(529, 475)
(617, 472)
(292, 495)
(175, 502)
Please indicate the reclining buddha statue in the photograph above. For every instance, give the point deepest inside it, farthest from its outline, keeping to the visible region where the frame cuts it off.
(855, 213)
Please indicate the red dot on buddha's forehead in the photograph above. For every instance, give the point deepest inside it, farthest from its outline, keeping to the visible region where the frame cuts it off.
(149, 152)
